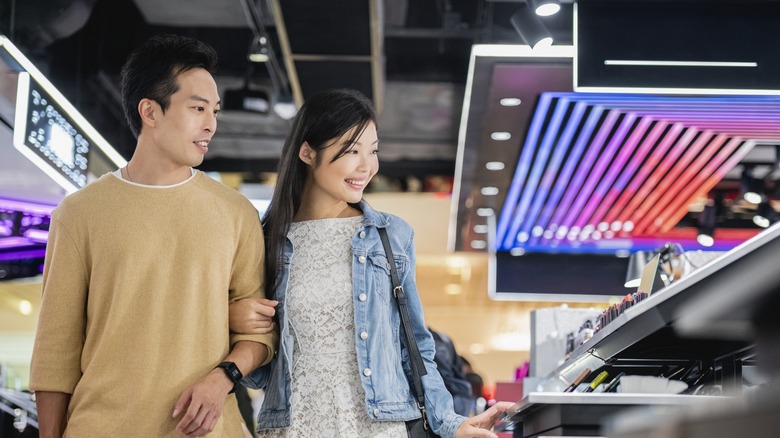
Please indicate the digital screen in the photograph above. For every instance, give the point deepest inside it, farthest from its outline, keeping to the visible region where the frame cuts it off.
(47, 135)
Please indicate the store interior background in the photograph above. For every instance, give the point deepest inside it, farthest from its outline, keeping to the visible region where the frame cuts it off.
(412, 57)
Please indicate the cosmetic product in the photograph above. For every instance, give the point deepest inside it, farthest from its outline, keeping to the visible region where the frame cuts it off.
(597, 381)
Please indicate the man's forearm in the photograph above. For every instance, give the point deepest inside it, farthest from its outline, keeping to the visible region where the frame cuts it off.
(52, 413)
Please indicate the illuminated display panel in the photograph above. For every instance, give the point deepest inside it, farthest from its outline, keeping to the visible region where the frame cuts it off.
(47, 135)
(49, 131)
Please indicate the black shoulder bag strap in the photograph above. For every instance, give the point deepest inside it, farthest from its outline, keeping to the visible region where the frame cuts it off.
(417, 365)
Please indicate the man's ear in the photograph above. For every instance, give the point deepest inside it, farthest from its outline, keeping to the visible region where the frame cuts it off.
(147, 109)
(307, 154)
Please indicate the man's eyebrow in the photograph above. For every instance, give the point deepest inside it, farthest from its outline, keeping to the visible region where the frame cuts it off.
(203, 99)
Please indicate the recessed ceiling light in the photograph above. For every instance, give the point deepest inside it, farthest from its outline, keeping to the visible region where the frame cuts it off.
(478, 244)
(545, 8)
(494, 165)
(453, 289)
(489, 191)
(481, 228)
(510, 101)
(484, 212)
(517, 251)
(500, 136)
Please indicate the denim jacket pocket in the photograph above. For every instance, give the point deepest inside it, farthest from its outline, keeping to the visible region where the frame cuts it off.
(381, 271)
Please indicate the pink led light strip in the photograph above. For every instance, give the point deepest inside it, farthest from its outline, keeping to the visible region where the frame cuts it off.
(707, 180)
(679, 176)
(609, 206)
(662, 161)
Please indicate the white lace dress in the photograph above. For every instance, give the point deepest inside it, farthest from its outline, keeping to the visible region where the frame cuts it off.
(327, 397)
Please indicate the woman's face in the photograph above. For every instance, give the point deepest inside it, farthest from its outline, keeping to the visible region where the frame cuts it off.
(343, 180)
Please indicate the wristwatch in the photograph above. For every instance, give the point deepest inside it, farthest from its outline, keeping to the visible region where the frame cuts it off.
(233, 373)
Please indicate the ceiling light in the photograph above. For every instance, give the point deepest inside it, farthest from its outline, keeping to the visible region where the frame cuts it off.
(750, 187)
(636, 263)
(481, 229)
(545, 8)
(25, 307)
(510, 101)
(530, 29)
(706, 226)
(501, 136)
(494, 165)
(765, 215)
(258, 50)
(478, 244)
(453, 289)
(484, 212)
(489, 191)
(517, 251)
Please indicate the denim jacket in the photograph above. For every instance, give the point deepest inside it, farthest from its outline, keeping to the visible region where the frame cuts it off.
(384, 364)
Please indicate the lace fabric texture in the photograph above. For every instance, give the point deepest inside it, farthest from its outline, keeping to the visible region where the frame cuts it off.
(327, 397)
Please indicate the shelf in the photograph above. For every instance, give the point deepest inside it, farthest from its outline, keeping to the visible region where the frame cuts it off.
(739, 275)
(568, 414)
(537, 400)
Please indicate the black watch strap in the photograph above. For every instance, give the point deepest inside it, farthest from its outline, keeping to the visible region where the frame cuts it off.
(233, 373)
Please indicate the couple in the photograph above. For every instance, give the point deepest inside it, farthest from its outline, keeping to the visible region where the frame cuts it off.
(154, 291)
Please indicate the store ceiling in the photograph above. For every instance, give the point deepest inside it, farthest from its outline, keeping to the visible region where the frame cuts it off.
(412, 57)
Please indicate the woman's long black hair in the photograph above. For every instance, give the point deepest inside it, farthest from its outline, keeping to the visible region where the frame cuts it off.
(322, 119)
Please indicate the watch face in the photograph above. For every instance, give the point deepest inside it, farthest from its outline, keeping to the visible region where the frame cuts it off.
(232, 371)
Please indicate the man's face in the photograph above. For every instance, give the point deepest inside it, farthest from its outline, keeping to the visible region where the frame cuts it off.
(184, 131)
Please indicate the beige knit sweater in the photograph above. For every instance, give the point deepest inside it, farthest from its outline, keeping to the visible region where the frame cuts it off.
(136, 288)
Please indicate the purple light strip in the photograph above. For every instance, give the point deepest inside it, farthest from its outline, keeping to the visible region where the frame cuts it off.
(26, 207)
(551, 172)
(595, 175)
(522, 166)
(14, 242)
(40, 236)
(22, 255)
(5, 231)
(609, 204)
(624, 153)
(583, 168)
(540, 162)
(569, 167)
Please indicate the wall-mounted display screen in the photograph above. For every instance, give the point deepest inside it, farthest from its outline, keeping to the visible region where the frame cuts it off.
(45, 133)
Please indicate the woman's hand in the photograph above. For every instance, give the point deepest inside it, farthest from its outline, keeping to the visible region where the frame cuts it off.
(252, 316)
(480, 425)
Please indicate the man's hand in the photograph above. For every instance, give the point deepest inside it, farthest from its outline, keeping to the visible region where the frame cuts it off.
(202, 404)
(480, 425)
(252, 316)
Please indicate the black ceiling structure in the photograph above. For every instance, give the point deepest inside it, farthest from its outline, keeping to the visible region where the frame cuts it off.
(412, 57)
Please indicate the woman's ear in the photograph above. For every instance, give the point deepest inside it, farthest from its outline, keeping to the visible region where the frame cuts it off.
(307, 154)
(146, 109)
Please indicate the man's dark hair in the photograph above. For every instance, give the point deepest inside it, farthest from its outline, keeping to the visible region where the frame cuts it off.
(151, 72)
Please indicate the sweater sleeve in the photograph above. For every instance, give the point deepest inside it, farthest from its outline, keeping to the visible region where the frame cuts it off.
(248, 281)
(59, 340)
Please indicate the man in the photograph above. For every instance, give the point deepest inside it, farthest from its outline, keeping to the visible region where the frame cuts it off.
(141, 266)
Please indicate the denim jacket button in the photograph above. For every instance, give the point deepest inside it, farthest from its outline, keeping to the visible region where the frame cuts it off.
(362, 234)
(376, 412)
(367, 372)
(362, 259)
(362, 297)
(363, 335)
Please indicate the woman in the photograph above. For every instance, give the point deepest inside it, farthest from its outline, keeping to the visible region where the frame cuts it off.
(339, 368)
